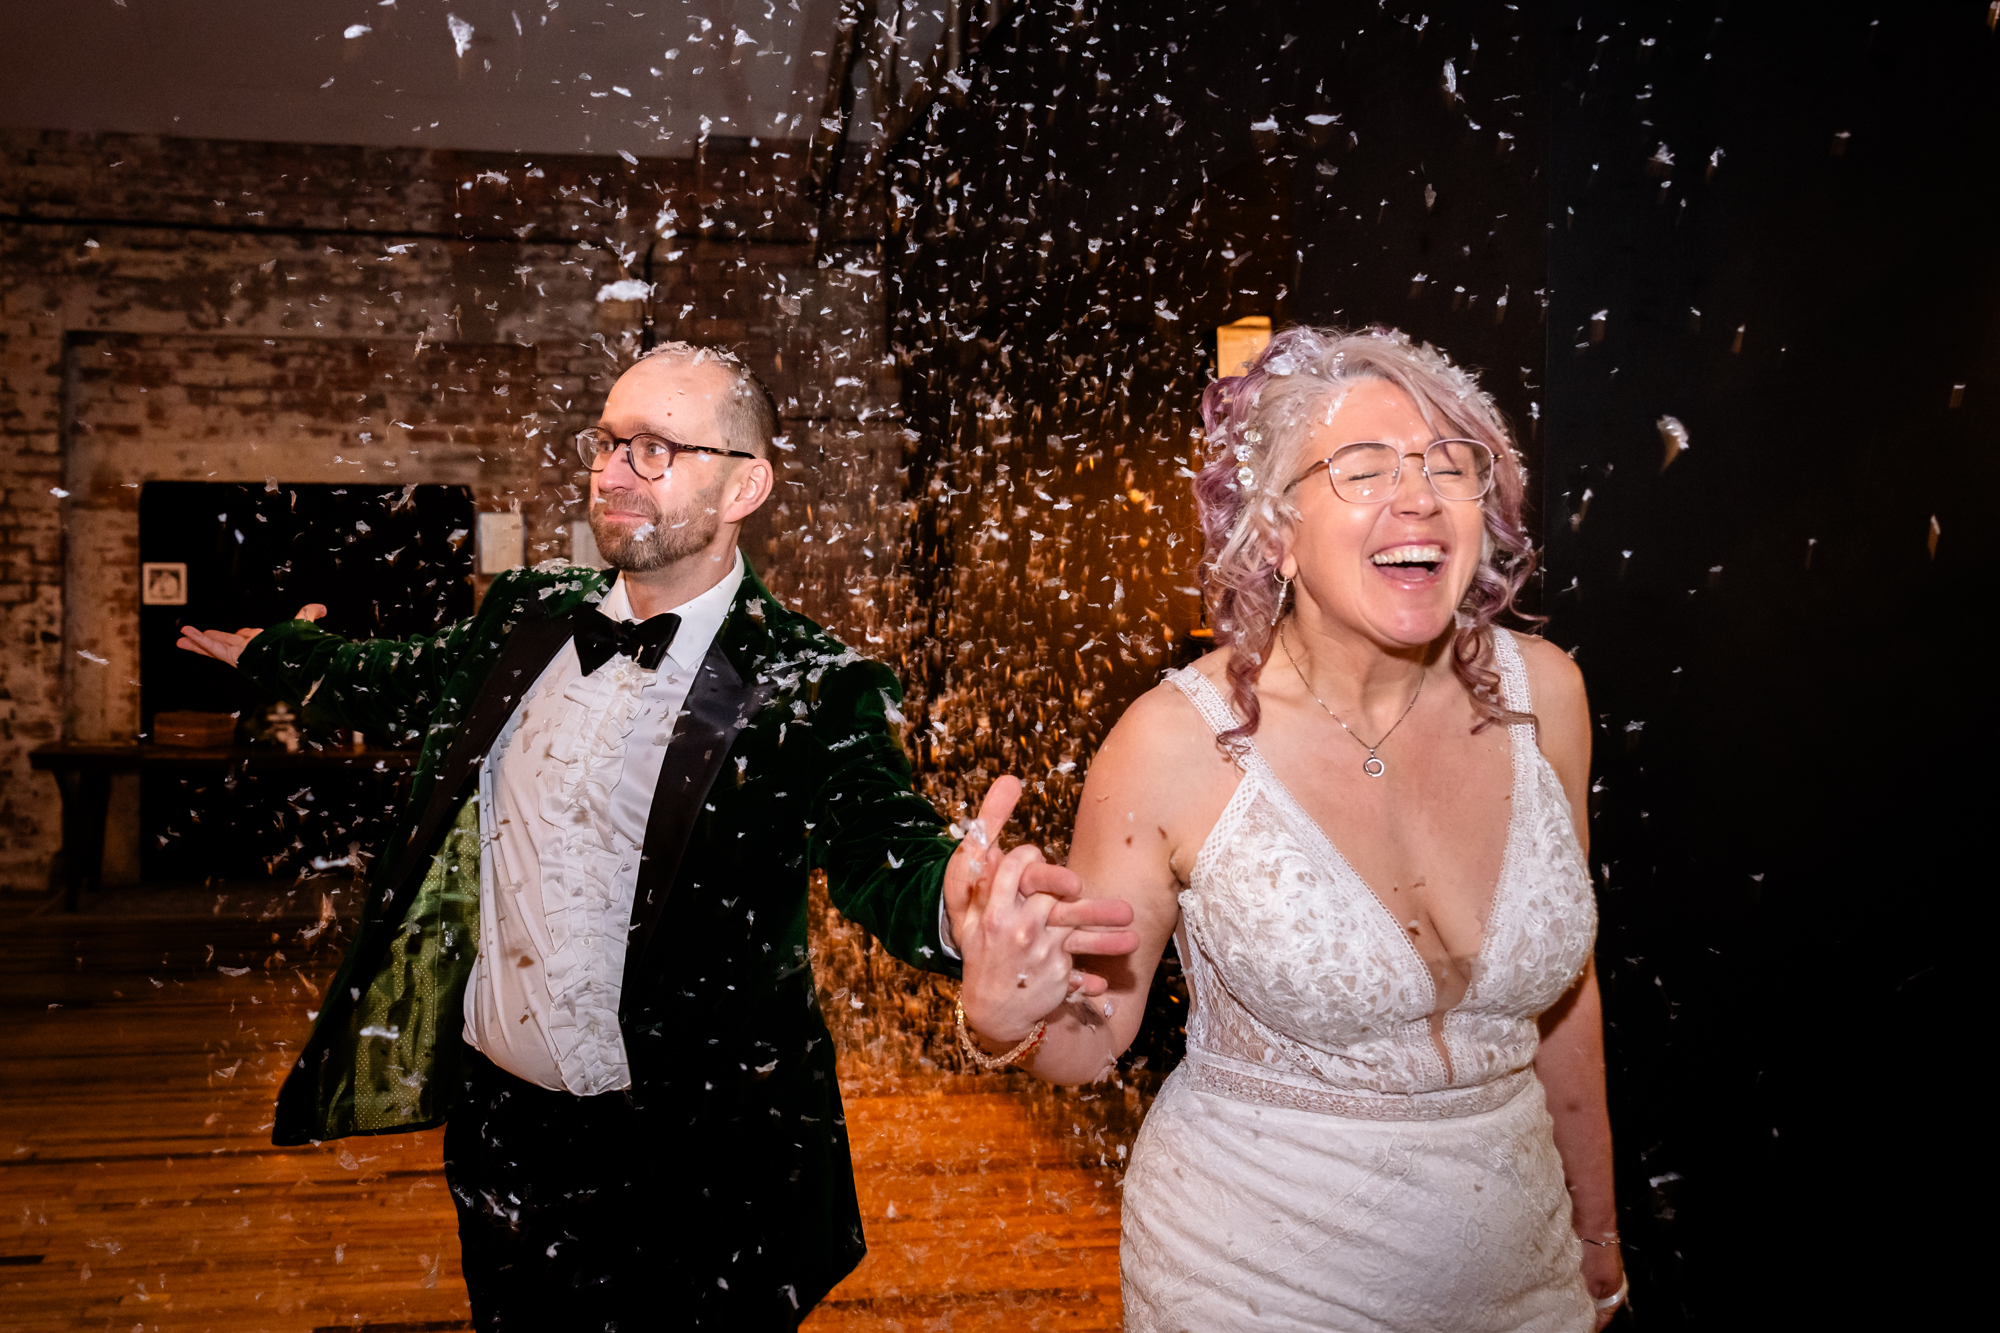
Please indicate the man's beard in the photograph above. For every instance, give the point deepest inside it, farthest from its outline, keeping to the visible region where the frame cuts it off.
(661, 539)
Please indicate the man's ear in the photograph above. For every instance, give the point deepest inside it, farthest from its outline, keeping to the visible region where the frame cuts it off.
(749, 489)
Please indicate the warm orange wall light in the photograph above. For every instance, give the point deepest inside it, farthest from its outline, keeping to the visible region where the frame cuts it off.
(1237, 345)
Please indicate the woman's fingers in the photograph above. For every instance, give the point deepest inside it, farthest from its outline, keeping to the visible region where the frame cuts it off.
(1056, 881)
(311, 611)
(1010, 871)
(1097, 926)
(1102, 943)
(1092, 913)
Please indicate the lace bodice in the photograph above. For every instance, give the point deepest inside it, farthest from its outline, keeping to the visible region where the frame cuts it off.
(1308, 993)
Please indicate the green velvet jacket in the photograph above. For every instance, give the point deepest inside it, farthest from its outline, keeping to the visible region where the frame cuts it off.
(784, 761)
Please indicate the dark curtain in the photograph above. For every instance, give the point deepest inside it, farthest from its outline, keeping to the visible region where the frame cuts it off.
(1780, 646)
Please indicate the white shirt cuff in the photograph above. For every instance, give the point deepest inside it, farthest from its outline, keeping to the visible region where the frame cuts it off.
(945, 937)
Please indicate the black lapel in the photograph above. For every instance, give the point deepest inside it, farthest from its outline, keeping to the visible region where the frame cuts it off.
(529, 650)
(718, 705)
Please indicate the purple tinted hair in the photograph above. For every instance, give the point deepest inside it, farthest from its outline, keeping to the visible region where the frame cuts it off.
(1257, 425)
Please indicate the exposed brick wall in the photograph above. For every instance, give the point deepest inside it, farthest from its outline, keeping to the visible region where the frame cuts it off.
(234, 311)
(193, 407)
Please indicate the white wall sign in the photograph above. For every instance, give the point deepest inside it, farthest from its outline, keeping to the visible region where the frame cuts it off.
(503, 543)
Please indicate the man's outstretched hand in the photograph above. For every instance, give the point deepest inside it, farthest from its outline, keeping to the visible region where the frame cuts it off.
(225, 647)
(1021, 923)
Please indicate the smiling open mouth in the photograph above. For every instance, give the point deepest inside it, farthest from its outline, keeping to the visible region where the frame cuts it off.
(1409, 563)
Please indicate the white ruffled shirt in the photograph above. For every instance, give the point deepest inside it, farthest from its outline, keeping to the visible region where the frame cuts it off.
(564, 799)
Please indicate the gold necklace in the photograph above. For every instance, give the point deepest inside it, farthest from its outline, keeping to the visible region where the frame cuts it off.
(1372, 766)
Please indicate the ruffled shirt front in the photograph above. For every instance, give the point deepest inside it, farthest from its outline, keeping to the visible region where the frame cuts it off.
(564, 800)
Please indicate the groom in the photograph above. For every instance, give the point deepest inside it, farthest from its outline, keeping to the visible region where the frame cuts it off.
(584, 945)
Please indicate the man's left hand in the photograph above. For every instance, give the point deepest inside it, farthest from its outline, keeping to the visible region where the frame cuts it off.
(1018, 905)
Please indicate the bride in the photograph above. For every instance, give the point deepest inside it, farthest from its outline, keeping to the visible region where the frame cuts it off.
(1361, 819)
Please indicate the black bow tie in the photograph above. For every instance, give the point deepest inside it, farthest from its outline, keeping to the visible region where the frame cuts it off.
(599, 638)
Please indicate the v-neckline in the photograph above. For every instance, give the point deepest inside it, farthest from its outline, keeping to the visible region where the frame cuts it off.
(1339, 861)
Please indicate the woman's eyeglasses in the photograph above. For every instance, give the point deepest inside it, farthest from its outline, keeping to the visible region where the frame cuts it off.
(1368, 472)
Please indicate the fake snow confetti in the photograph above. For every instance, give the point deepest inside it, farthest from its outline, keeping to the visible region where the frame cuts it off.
(461, 33)
(1674, 436)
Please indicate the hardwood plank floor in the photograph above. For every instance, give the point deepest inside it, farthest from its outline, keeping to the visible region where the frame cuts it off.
(139, 1190)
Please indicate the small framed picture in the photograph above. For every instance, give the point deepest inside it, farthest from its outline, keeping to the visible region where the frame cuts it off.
(163, 583)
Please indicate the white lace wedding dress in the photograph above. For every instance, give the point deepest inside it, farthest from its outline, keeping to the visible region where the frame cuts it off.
(1314, 1163)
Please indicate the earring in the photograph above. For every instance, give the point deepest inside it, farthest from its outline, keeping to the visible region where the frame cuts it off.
(1278, 612)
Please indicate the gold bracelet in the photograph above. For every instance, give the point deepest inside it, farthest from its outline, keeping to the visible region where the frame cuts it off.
(992, 1062)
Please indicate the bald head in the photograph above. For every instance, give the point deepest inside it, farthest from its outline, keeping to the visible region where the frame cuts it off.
(739, 406)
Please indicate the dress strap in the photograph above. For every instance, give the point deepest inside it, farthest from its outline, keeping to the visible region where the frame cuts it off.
(1208, 700)
(1513, 672)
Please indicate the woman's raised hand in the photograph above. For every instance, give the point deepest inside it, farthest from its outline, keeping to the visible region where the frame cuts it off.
(225, 647)
(1020, 924)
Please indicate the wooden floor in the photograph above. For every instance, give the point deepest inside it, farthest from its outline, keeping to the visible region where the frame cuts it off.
(139, 1190)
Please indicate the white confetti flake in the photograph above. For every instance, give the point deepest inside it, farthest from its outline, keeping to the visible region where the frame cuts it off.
(1674, 436)
(625, 289)
(461, 33)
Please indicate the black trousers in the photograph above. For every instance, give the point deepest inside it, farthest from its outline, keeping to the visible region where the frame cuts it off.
(563, 1223)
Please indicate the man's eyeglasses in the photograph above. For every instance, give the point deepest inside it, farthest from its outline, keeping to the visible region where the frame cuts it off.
(650, 456)
(1368, 472)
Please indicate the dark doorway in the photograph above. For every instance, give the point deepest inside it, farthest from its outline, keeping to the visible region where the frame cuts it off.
(386, 561)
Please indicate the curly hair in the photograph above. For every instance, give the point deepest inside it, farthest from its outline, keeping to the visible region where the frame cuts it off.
(1257, 425)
